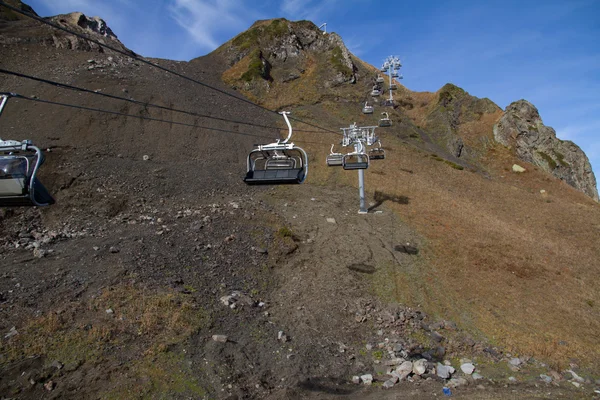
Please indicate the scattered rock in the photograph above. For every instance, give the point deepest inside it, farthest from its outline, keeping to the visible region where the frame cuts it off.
(477, 376)
(456, 382)
(331, 220)
(57, 364)
(39, 253)
(517, 168)
(110, 311)
(444, 371)
(367, 379)
(282, 336)
(575, 376)
(512, 379)
(219, 338)
(420, 367)
(467, 368)
(13, 332)
(546, 378)
(145, 157)
(515, 362)
(389, 384)
(356, 379)
(49, 386)
(114, 249)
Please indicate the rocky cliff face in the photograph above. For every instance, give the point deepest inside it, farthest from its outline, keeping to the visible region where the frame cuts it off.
(275, 56)
(453, 108)
(522, 129)
(94, 27)
(36, 32)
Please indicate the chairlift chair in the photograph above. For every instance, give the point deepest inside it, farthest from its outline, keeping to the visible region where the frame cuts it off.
(367, 109)
(376, 91)
(277, 163)
(377, 153)
(385, 121)
(356, 160)
(19, 165)
(393, 86)
(395, 74)
(334, 159)
(19, 185)
(380, 79)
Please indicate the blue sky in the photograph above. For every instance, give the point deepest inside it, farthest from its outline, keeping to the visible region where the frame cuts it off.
(544, 51)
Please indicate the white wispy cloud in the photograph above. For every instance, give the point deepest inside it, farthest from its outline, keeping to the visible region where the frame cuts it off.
(576, 131)
(207, 21)
(313, 10)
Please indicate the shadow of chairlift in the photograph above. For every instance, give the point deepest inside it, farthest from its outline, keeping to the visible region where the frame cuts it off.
(19, 165)
(277, 163)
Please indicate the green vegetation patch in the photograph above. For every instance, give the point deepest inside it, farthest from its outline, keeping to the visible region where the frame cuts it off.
(549, 160)
(256, 67)
(276, 28)
(337, 60)
(561, 159)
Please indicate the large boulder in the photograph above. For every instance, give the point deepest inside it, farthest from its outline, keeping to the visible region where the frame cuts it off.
(522, 129)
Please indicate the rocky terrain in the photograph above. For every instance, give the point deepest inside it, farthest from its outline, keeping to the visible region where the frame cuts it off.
(160, 274)
(522, 129)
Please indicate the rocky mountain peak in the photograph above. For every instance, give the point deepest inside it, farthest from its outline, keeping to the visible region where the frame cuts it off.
(9, 15)
(275, 54)
(93, 25)
(521, 128)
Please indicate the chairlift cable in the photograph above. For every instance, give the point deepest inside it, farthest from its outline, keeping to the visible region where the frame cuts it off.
(136, 57)
(140, 117)
(141, 103)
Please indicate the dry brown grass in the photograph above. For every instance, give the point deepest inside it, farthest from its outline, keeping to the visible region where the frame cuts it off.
(143, 322)
(506, 261)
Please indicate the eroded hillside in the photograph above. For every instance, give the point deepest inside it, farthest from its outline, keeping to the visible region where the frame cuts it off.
(155, 244)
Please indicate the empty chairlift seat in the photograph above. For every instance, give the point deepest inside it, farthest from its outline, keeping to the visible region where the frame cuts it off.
(385, 121)
(19, 185)
(367, 109)
(268, 167)
(353, 161)
(377, 153)
(379, 79)
(277, 163)
(376, 91)
(334, 159)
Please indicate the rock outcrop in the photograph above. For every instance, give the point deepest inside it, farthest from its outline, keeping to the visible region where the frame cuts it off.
(93, 27)
(7, 14)
(522, 129)
(276, 57)
(455, 107)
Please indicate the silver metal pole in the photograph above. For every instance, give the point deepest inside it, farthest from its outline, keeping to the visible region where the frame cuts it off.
(361, 188)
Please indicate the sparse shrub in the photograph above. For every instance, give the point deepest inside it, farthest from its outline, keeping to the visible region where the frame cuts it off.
(284, 231)
(337, 59)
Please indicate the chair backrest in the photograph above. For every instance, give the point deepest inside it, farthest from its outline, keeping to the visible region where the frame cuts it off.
(286, 163)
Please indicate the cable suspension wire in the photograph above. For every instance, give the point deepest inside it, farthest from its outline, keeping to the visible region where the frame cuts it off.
(136, 57)
(141, 103)
(140, 117)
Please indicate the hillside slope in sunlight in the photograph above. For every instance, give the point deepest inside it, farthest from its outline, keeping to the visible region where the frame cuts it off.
(159, 273)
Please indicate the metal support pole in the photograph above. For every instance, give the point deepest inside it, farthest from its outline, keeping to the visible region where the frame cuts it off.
(361, 191)
(361, 186)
